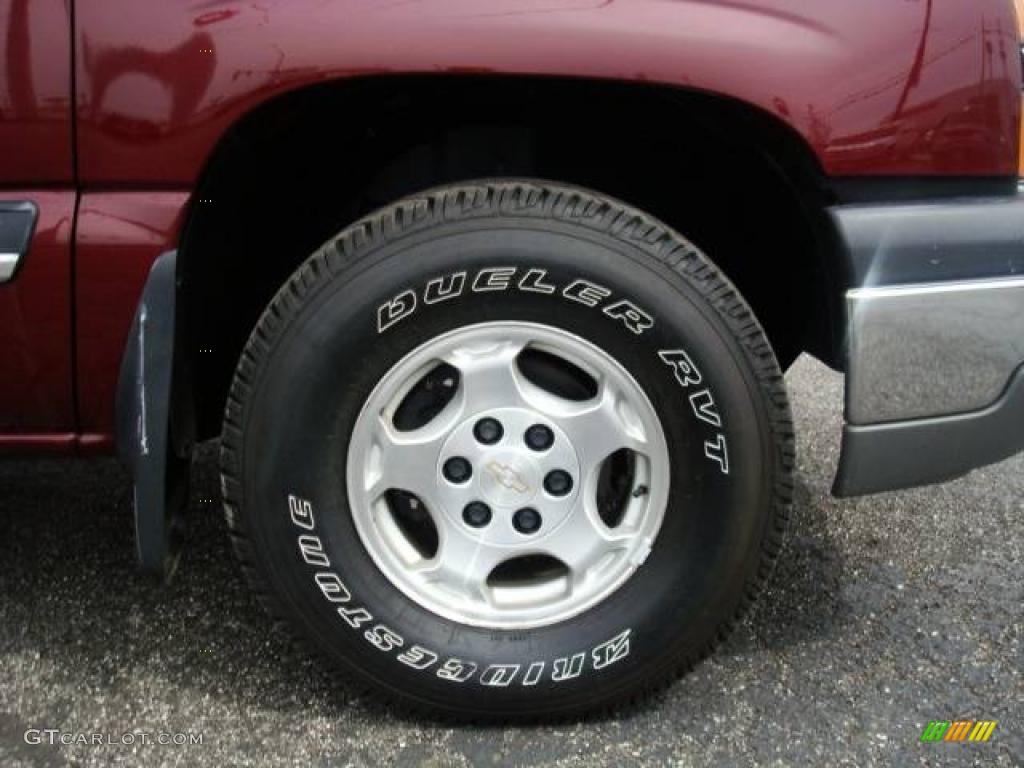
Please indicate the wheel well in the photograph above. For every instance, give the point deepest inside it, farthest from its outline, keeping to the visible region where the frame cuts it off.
(733, 180)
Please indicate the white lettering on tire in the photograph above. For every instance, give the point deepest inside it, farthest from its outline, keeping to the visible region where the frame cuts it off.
(419, 658)
(332, 588)
(355, 617)
(389, 313)
(534, 673)
(383, 639)
(444, 288)
(568, 667)
(612, 650)
(532, 280)
(313, 550)
(456, 670)
(702, 403)
(301, 512)
(685, 371)
(718, 451)
(586, 292)
(493, 279)
(499, 675)
(634, 318)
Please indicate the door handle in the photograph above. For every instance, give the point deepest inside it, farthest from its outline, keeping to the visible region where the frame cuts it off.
(17, 222)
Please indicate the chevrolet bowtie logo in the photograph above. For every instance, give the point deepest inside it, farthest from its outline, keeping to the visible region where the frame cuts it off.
(506, 476)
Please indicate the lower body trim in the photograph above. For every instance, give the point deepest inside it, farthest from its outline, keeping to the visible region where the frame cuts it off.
(935, 340)
(902, 454)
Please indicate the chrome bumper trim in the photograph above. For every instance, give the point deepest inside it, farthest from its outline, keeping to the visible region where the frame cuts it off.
(926, 350)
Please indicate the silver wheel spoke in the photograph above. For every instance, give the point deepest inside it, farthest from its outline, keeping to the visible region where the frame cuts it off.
(509, 473)
(603, 426)
(489, 377)
(583, 541)
(405, 461)
(462, 564)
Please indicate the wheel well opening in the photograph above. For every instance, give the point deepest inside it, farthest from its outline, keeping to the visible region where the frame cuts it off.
(732, 180)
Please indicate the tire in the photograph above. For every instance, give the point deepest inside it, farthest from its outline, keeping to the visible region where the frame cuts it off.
(631, 310)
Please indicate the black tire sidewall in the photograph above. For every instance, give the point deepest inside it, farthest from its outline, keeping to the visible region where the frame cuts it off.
(329, 356)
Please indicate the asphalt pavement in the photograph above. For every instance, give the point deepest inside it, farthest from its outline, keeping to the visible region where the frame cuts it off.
(885, 613)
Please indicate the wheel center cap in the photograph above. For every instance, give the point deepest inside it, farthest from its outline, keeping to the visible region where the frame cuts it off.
(507, 476)
(509, 479)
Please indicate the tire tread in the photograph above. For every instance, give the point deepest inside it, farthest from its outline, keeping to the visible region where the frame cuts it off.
(518, 198)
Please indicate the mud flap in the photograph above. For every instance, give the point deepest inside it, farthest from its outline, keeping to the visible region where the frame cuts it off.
(153, 439)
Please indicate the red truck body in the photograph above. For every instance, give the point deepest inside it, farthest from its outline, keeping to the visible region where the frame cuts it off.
(111, 109)
(489, 302)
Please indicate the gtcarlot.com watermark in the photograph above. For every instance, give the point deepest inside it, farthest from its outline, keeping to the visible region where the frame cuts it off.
(55, 736)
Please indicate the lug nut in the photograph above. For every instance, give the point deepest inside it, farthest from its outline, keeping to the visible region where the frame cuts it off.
(458, 470)
(526, 520)
(558, 482)
(539, 437)
(488, 431)
(476, 514)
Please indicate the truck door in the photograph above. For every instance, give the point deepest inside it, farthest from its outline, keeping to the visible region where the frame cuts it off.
(37, 211)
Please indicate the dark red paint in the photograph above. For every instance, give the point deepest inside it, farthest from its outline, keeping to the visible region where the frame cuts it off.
(119, 236)
(874, 87)
(35, 93)
(35, 324)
